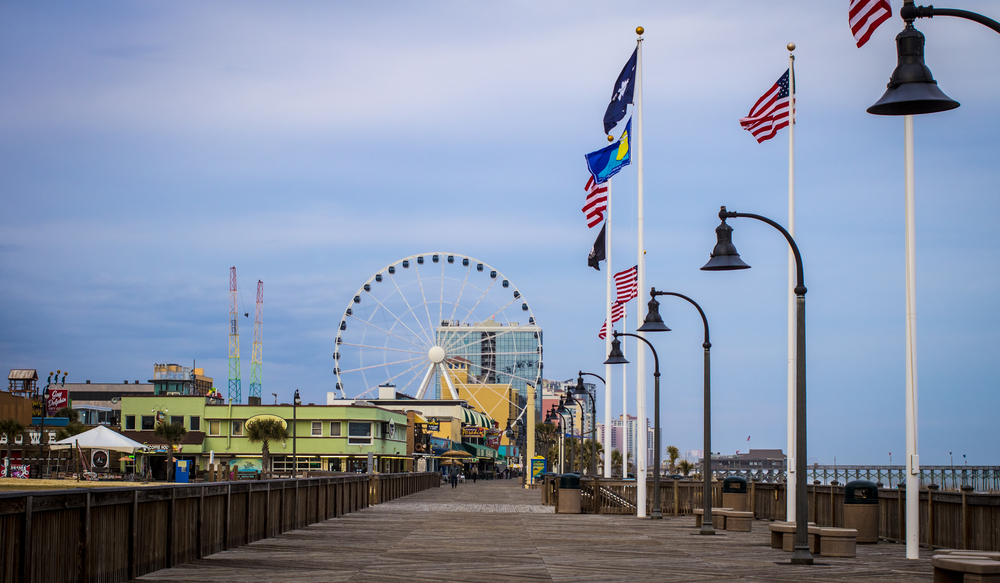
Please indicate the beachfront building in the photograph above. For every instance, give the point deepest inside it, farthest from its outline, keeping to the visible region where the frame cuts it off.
(336, 438)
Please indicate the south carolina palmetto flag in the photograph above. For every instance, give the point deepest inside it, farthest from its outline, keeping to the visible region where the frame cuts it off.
(617, 313)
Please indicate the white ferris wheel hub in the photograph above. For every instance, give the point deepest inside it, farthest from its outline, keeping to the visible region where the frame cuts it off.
(436, 354)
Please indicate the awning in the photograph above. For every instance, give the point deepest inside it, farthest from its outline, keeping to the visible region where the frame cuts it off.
(418, 418)
(472, 417)
(480, 450)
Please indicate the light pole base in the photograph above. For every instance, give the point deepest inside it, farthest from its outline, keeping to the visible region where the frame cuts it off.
(706, 531)
(802, 556)
(655, 514)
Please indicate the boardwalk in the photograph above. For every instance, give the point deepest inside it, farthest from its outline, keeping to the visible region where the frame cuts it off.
(492, 531)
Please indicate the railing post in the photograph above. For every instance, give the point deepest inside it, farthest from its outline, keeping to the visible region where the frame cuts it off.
(677, 499)
(226, 523)
(201, 523)
(250, 511)
(171, 524)
(83, 570)
(26, 541)
(267, 510)
(133, 540)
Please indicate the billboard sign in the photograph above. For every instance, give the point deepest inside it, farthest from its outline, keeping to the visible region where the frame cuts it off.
(58, 398)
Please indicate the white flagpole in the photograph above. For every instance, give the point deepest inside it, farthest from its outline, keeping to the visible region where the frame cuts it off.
(640, 385)
(625, 447)
(607, 343)
(790, 472)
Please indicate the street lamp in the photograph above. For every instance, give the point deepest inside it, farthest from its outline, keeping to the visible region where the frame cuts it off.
(581, 390)
(725, 258)
(654, 323)
(564, 410)
(616, 357)
(912, 90)
(550, 419)
(296, 401)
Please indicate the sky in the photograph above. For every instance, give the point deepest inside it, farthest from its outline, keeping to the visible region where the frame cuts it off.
(147, 147)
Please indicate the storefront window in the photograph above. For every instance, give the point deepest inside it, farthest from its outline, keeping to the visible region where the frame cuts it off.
(237, 428)
(195, 423)
(147, 422)
(130, 422)
(215, 427)
(335, 429)
(317, 429)
(179, 419)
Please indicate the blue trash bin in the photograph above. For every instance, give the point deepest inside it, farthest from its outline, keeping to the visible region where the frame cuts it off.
(182, 472)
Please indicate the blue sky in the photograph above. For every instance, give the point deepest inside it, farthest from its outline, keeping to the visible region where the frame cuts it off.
(147, 147)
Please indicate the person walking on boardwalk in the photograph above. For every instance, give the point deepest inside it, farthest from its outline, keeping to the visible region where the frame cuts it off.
(454, 477)
(475, 474)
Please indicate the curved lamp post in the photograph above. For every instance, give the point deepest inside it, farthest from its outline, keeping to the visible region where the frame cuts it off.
(564, 410)
(582, 390)
(725, 258)
(912, 90)
(616, 357)
(296, 401)
(550, 419)
(654, 323)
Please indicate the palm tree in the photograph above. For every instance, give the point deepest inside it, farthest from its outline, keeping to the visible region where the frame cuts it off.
(13, 429)
(616, 460)
(672, 454)
(264, 431)
(172, 433)
(74, 427)
(546, 436)
(588, 445)
(685, 467)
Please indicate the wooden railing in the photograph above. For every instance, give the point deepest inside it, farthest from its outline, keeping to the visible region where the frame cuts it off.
(957, 520)
(118, 534)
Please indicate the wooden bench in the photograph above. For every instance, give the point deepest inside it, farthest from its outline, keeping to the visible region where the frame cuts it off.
(783, 535)
(737, 520)
(718, 519)
(837, 542)
(994, 555)
(956, 568)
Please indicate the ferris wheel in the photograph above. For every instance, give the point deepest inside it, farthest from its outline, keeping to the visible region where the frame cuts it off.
(439, 325)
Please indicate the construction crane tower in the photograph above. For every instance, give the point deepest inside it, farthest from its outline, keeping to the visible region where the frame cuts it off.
(234, 342)
(258, 330)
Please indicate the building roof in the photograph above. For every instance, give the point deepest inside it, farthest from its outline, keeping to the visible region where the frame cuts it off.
(23, 374)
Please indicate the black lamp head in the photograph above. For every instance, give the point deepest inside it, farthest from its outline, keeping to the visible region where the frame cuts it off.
(579, 389)
(616, 356)
(724, 256)
(912, 89)
(653, 321)
(297, 401)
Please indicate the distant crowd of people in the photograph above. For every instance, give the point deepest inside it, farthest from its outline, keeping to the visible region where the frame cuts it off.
(455, 475)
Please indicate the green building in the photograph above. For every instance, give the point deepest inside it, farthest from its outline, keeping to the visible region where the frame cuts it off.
(336, 437)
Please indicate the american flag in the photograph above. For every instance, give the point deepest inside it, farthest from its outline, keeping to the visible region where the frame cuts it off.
(627, 284)
(617, 313)
(770, 113)
(865, 16)
(597, 202)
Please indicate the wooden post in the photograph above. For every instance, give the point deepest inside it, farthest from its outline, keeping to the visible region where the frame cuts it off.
(249, 511)
(598, 507)
(171, 525)
(677, 499)
(833, 514)
(753, 496)
(133, 541)
(902, 515)
(83, 569)
(965, 520)
(229, 514)
(201, 523)
(26, 540)
(295, 511)
(930, 518)
(267, 511)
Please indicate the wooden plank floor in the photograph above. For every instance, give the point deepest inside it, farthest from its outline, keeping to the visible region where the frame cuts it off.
(492, 531)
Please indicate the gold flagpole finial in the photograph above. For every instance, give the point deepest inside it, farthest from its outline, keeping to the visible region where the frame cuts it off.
(611, 138)
(639, 30)
(791, 47)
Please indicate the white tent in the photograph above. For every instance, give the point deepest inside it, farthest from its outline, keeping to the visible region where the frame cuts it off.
(100, 438)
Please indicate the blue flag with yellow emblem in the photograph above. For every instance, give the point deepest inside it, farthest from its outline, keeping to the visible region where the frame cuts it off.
(606, 162)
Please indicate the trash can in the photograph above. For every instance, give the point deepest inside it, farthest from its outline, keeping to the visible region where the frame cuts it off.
(569, 494)
(861, 509)
(734, 493)
(548, 484)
